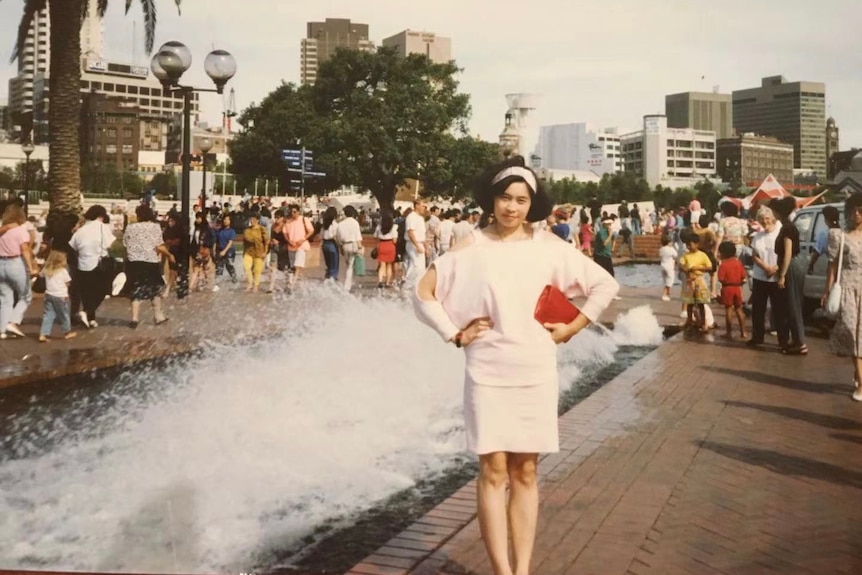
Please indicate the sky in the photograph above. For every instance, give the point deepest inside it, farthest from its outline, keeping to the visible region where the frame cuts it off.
(608, 63)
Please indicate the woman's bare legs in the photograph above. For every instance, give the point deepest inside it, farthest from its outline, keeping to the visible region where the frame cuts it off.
(523, 508)
(491, 499)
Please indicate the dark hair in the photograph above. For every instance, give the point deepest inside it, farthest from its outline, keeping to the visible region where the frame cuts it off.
(665, 240)
(386, 222)
(832, 216)
(727, 250)
(853, 203)
(350, 212)
(783, 207)
(145, 213)
(96, 212)
(729, 210)
(329, 216)
(703, 220)
(485, 191)
(688, 236)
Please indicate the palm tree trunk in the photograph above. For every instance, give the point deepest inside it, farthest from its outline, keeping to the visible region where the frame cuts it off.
(64, 114)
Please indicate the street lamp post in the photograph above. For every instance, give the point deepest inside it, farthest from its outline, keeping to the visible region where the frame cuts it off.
(205, 145)
(27, 148)
(168, 65)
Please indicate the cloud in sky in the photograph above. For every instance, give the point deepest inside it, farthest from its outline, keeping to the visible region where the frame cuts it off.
(606, 62)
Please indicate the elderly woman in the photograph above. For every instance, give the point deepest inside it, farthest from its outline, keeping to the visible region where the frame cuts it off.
(764, 285)
(91, 242)
(847, 334)
(16, 266)
(481, 296)
(144, 245)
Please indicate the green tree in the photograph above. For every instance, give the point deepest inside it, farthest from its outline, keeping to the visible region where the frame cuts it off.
(67, 16)
(386, 118)
(454, 171)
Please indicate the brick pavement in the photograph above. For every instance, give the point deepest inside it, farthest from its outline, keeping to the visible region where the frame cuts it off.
(702, 458)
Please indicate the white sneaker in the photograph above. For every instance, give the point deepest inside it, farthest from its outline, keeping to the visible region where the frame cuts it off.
(14, 329)
(857, 393)
(215, 288)
(82, 315)
(683, 314)
(93, 324)
(665, 298)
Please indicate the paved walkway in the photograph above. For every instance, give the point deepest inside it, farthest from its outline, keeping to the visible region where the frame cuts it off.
(702, 458)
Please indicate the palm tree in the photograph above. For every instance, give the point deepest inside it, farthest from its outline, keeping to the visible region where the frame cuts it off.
(67, 16)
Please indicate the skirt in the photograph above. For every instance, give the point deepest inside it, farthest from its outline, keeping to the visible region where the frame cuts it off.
(386, 251)
(144, 280)
(514, 419)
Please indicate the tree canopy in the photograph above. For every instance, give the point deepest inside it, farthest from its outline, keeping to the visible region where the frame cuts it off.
(372, 120)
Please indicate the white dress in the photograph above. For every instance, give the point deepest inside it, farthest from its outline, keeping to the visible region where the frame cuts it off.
(511, 382)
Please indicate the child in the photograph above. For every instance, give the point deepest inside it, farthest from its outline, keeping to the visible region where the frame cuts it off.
(731, 274)
(668, 255)
(57, 305)
(695, 292)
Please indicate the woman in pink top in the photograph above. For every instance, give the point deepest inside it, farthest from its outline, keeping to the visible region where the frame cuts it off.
(16, 267)
(297, 229)
(481, 296)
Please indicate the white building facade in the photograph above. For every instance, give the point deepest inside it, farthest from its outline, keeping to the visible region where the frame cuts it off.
(437, 48)
(670, 157)
(579, 147)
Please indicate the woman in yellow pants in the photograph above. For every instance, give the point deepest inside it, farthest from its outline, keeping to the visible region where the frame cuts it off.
(255, 247)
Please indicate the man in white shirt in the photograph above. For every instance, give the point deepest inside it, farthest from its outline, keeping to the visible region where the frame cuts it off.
(432, 237)
(447, 224)
(416, 232)
(464, 227)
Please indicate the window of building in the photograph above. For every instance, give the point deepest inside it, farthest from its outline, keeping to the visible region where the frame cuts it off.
(155, 92)
(145, 91)
(96, 85)
(121, 88)
(127, 133)
(112, 132)
(133, 89)
(127, 119)
(178, 105)
(108, 87)
(85, 85)
(145, 101)
(111, 149)
(127, 148)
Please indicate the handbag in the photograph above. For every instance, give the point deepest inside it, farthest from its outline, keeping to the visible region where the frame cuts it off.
(359, 265)
(374, 253)
(39, 285)
(554, 307)
(833, 300)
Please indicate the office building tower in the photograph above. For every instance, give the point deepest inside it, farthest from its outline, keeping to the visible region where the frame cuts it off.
(324, 38)
(750, 158)
(793, 112)
(707, 111)
(670, 157)
(579, 147)
(437, 48)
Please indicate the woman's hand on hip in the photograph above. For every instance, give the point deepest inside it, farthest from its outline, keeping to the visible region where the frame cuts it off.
(475, 329)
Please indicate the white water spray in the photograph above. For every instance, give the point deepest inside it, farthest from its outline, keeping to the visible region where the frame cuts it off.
(249, 449)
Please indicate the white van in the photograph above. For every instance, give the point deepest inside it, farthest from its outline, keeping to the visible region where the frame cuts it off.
(809, 221)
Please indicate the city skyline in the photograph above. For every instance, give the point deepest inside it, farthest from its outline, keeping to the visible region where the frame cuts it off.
(592, 64)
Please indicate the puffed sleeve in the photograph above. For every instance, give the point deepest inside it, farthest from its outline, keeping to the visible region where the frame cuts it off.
(835, 236)
(445, 268)
(580, 276)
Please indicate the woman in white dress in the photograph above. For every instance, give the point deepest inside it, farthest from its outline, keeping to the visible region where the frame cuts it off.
(481, 296)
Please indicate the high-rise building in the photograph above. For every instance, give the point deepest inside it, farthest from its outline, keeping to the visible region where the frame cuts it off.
(437, 48)
(324, 38)
(133, 84)
(579, 147)
(110, 132)
(793, 112)
(708, 111)
(36, 57)
(671, 157)
(750, 158)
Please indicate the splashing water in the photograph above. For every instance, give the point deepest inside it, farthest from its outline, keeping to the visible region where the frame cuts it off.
(218, 463)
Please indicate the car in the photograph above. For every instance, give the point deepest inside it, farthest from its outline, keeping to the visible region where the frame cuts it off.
(810, 223)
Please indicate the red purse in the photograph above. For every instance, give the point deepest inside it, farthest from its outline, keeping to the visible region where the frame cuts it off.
(554, 307)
